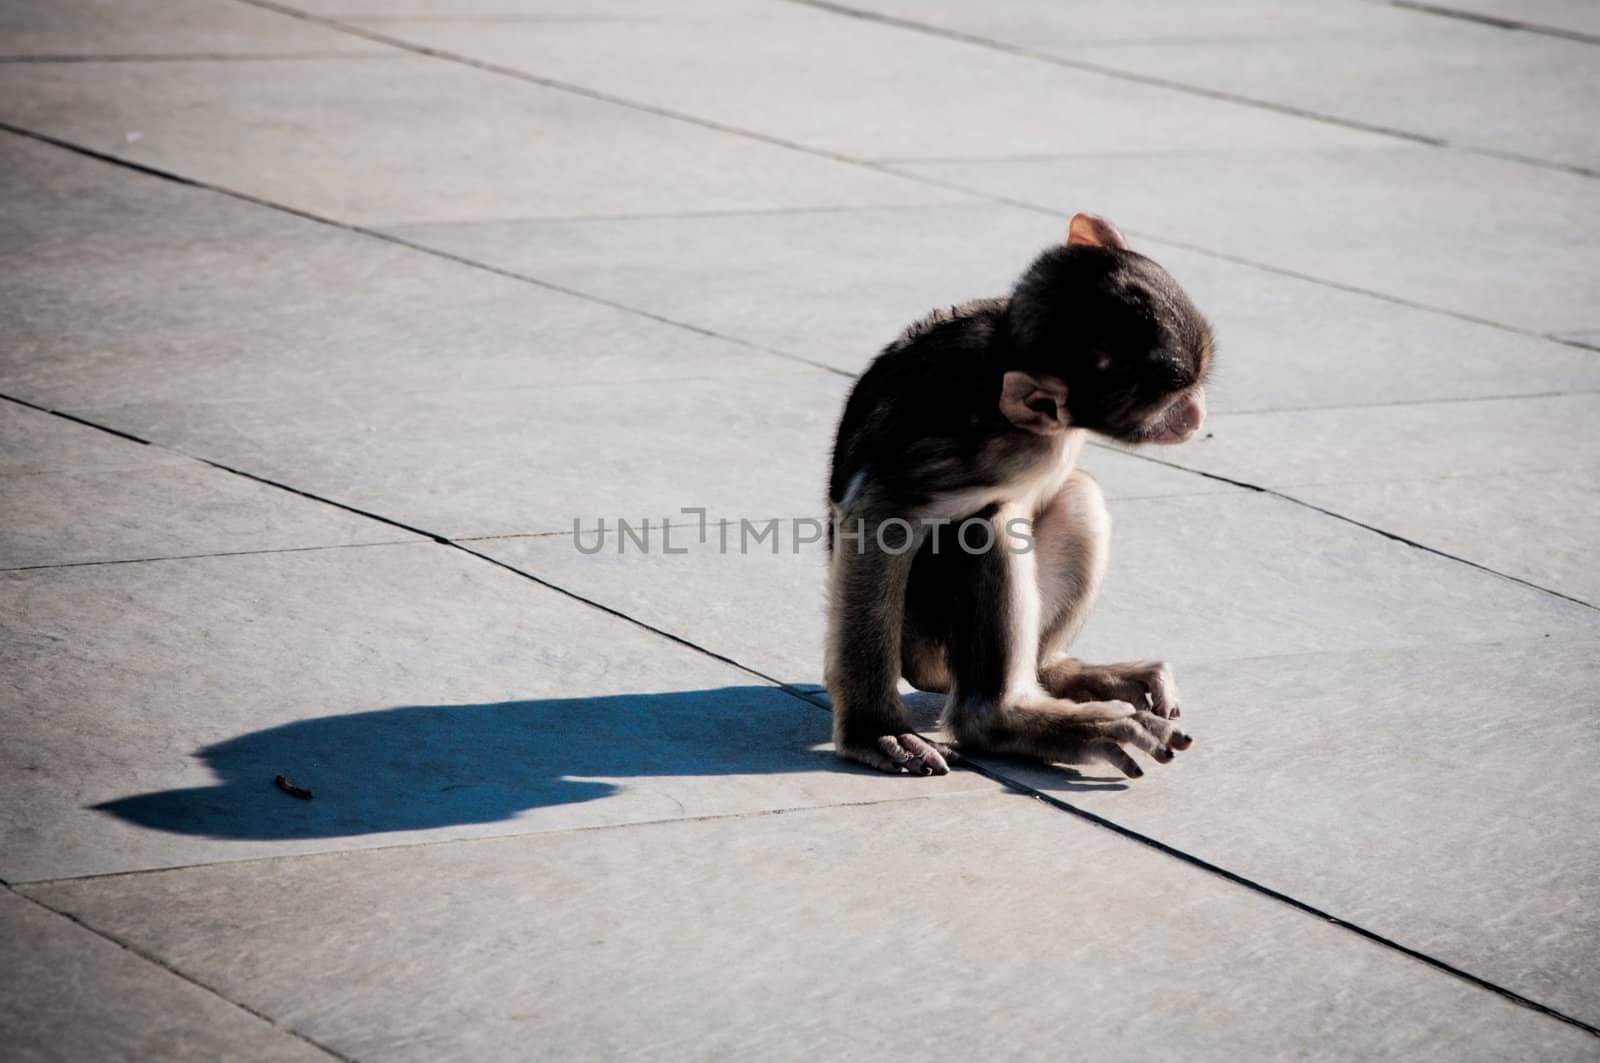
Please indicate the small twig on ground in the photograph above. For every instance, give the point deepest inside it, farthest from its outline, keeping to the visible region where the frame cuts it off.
(282, 782)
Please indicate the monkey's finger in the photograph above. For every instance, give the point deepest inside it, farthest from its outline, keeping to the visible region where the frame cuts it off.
(901, 757)
(1164, 692)
(1135, 733)
(894, 755)
(947, 752)
(924, 754)
(1171, 735)
(1106, 749)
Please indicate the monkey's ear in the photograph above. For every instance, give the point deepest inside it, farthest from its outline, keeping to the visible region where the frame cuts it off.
(1094, 231)
(1036, 403)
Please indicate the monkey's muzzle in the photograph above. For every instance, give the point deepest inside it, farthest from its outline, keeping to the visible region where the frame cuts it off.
(1182, 418)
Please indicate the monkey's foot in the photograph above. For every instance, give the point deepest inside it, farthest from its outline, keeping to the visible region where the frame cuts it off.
(1142, 684)
(904, 752)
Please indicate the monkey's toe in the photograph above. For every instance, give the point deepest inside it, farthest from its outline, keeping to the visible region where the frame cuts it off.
(909, 753)
(915, 754)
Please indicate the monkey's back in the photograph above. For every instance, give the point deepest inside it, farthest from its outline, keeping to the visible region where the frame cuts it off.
(944, 369)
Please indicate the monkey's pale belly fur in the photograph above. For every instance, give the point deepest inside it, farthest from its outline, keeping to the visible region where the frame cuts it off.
(989, 627)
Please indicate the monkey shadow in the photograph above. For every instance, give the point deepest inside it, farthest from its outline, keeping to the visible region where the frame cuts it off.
(417, 767)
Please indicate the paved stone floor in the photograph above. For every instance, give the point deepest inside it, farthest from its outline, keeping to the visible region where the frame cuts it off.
(322, 322)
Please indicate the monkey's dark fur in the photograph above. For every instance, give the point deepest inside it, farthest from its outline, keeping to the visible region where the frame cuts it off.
(933, 394)
(978, 411)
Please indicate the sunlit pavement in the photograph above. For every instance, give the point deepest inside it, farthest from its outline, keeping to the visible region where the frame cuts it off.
(350, 344)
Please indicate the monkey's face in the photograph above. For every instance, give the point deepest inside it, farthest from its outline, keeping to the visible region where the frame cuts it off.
(1122, 336)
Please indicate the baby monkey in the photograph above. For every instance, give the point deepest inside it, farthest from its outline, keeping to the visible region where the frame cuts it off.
(967, 549)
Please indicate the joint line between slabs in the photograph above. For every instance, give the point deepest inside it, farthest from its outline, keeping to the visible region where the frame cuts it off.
(735, 131)
(979, 41)
(389, 238)
(1019, 787)
(1395, 536)
(445, 541)
(878, 167)
(175, 972)
(1515, 25)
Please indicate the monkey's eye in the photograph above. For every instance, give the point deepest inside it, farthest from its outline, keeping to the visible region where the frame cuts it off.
(1165, 373)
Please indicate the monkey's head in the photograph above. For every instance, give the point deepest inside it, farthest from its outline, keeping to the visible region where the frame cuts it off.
(1104, 339)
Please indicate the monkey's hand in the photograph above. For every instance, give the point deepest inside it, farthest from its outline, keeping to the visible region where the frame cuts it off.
(1142, 729)
(1142, 684)
(908, 752)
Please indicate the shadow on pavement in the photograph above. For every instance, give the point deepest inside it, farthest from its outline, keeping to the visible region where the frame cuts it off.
(416, 767)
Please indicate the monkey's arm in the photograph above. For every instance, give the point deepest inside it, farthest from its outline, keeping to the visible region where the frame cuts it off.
(1004, 703)
(872, 557)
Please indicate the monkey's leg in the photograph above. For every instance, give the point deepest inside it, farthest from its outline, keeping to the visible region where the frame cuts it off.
(996, 701)
(865, 619)
(1072, 537)
(927, 624)
(1071, 543)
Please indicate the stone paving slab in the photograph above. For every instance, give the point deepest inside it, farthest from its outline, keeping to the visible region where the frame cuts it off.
(1537, 526)
(1461, 82)
(421, 694)
(1192, 578)
(949, 927)
(1044, 27)
(1574, 16)
(132, 288)
(765, 77)
(1283, 341)
(540, 10)
(1439, 796)
(72, 447)
(1288, 343)
(1237, 576)
(38, 28)
(494, 146)
(1484, 238)
(831, 286)
(515, 460)
(1039, 25)
(124, 288)
(67, 993)
(82, 496)
(1374, 444)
